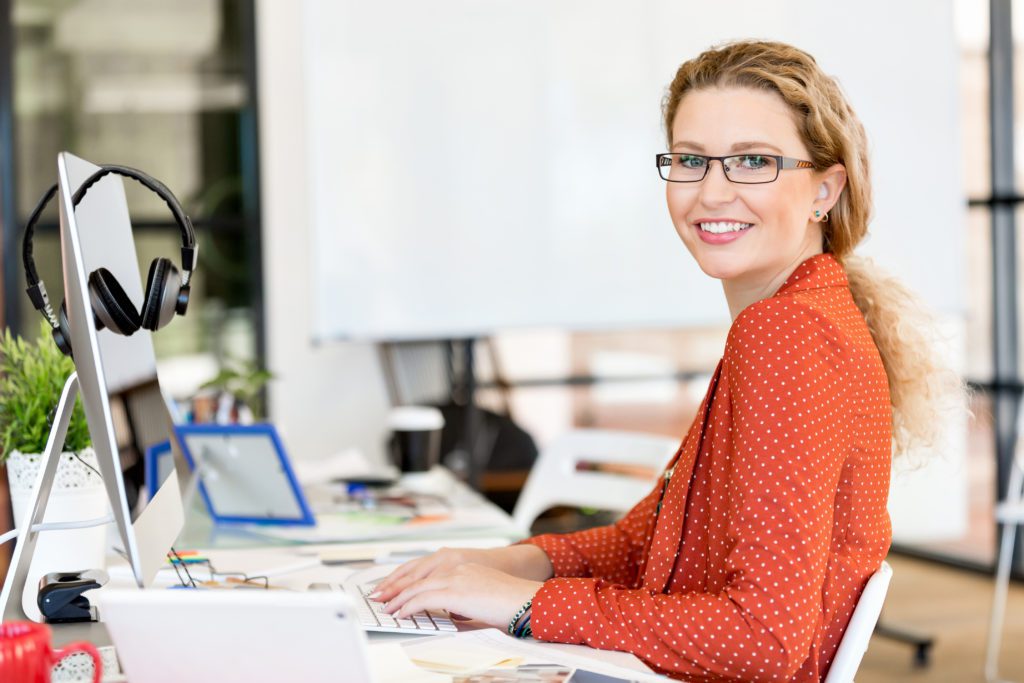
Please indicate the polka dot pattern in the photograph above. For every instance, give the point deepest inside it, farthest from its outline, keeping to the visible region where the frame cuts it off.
(774, 516)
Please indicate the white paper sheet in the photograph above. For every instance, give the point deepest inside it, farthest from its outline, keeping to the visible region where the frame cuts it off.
(620, 664)
(390, 664)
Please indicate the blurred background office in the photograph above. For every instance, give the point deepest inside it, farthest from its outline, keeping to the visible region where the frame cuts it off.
(219, 99)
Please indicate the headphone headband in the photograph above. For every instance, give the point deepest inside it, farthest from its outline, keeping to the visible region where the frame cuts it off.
(188, 236)
(189, 249)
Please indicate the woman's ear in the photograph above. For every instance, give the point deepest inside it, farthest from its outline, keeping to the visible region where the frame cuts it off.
(831, 184)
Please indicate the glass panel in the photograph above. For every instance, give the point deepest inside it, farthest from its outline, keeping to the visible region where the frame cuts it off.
(162, 88)
(978, 296)
(971, 26)
(978, 543)
(635, 374)
(1019, 218)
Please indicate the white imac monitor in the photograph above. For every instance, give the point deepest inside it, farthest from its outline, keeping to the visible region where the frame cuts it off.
(120, 390)
(117, 383)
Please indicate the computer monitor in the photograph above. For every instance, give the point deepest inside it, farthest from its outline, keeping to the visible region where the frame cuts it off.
(117, 375)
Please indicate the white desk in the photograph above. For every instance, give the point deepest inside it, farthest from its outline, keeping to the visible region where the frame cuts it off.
(291, 563)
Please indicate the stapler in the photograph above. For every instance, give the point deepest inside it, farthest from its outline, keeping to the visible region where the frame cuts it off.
(60, 597)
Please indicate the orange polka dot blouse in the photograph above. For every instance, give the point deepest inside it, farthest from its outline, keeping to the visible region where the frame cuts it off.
(773, 518)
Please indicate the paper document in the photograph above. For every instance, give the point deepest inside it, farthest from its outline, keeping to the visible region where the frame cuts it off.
(461, 657)
(386, 552)
(390, 664)
(474, 645)
(331, 528)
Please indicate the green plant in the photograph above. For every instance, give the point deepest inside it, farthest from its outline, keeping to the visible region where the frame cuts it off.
(32, 377)
(244, 380)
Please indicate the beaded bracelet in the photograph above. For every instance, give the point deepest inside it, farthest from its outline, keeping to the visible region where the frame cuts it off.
(524, 630)
(522, 610)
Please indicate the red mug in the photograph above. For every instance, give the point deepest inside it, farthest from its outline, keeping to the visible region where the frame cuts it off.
(27, 657)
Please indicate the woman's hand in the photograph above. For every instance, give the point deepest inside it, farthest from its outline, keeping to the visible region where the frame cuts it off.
(470, 590)
(518, 561)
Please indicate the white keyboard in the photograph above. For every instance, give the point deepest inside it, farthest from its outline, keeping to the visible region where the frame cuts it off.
(372, 616)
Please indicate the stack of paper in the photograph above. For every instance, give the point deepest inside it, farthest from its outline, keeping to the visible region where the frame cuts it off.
(458, 657)
(389, 664)
(488, 648)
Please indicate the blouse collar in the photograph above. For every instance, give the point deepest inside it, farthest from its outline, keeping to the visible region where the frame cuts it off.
(820, 270)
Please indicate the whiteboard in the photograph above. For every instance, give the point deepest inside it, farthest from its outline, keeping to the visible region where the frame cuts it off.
(478, 165)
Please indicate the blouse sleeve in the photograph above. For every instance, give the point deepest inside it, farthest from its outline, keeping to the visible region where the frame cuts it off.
(612, 553)
(788, 439)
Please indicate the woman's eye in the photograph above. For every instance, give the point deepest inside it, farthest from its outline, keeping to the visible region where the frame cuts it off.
(753, 161)
(690, 161)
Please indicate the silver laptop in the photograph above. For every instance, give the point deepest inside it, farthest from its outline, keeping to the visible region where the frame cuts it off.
(235, 636)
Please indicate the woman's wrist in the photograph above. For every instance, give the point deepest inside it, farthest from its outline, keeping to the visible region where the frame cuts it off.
(527, 561)
(519, 625)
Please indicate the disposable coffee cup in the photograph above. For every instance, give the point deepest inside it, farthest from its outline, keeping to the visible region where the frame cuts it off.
(415, 443)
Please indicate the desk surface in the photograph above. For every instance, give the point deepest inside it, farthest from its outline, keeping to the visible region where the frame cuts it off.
(292, 563)
(291, 559)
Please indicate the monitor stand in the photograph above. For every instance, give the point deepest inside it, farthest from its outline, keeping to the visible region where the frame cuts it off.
(12, 607)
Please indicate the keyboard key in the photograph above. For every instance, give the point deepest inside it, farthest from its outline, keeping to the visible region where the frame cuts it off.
(424, 622)
(372, 614)
(366, 615)
(443, 621)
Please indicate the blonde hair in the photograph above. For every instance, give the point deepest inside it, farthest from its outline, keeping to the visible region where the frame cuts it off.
(920, 385)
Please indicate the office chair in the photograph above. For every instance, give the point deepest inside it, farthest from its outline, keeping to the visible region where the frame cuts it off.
(593, 468)
(1009, 513)
(862, 624)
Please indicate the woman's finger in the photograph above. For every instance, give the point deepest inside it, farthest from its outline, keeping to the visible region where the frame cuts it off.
(415, 570)
(431, 583)
(407, 573)
(426, 600)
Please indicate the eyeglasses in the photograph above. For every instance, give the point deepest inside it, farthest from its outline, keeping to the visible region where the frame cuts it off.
(748, 169)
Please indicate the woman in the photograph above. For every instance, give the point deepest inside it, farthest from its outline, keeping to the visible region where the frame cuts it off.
(747, 559)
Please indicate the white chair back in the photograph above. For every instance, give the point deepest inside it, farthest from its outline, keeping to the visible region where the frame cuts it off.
(862, 625)
(1010, 514)
(604, 469)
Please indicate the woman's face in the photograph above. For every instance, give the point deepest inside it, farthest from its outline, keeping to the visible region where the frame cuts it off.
(781, 230)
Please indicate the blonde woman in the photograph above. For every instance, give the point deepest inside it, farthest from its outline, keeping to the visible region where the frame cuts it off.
(747, 559)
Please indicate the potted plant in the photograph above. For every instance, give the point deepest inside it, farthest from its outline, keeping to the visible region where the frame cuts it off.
(32, 378)
(241, 382)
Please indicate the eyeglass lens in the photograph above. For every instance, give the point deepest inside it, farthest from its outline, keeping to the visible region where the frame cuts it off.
(743, 168)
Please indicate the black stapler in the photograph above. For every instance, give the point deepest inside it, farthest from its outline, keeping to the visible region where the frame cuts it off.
(60, 597)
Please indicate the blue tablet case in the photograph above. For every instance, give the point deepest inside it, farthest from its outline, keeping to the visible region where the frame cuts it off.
(279, 482)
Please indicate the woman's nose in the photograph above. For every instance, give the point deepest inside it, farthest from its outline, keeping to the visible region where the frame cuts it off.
(716, 187)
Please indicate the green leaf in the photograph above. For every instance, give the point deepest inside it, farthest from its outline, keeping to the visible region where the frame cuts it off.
(32, 378)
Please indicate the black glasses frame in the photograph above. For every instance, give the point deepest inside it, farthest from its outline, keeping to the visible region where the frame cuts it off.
(781, 163)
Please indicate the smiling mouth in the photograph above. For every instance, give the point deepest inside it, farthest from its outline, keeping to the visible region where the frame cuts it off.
(720, 227)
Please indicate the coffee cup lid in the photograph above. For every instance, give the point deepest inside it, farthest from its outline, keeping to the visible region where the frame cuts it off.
(407, 418)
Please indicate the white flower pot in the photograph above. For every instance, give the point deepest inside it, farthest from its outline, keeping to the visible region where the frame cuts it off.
(78, 494)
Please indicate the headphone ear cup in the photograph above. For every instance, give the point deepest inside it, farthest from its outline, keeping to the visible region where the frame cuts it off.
(62, 333)
(162, 286)
(111, 305)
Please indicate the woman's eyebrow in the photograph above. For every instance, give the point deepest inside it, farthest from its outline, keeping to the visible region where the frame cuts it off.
(738, 147)
(743, 146)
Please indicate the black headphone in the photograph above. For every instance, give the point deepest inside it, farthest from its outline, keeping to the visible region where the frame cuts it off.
(167, 291)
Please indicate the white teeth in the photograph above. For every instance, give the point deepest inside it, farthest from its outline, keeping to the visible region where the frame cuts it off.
(719, 228)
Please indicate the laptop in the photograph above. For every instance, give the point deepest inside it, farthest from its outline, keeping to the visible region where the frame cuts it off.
(235, 636)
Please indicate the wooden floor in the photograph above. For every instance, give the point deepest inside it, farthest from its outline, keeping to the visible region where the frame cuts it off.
(952, 606)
